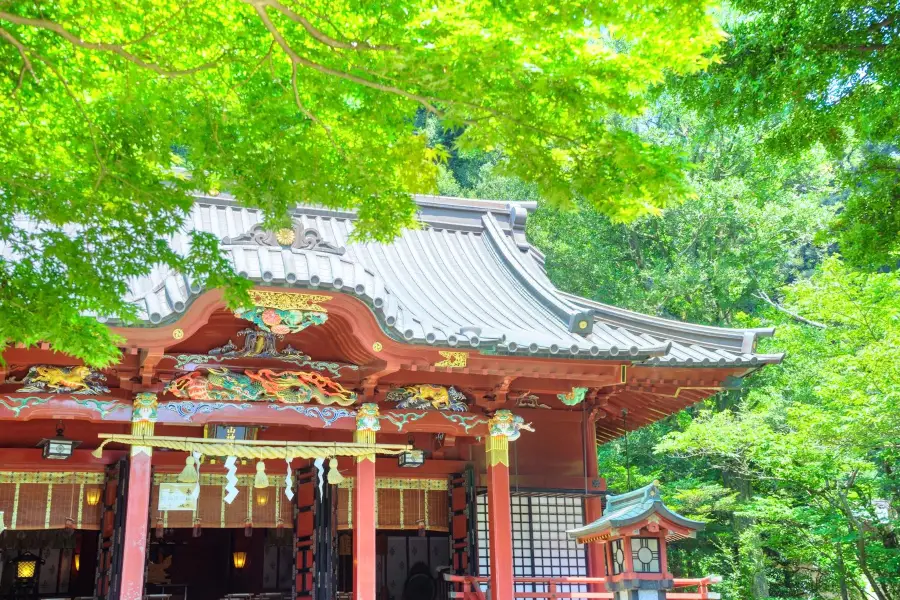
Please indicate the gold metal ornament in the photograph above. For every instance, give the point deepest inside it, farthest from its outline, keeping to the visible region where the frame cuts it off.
(289, 301)
(178, 334)
(452, 360)
(285, 236)
(377, 347)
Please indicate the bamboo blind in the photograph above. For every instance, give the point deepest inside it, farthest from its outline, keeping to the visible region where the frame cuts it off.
(400, 504)
(265, 508)
(45, 500)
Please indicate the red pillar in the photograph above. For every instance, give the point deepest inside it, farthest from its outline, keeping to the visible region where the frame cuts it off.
(137, 511)
(364, 516)
(593, 507)
(137, 516)
(499, 516)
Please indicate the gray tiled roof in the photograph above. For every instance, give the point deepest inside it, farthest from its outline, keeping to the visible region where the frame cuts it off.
(629, 508)
(467, 278)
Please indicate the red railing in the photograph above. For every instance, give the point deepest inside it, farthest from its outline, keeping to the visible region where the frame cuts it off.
(464, 587)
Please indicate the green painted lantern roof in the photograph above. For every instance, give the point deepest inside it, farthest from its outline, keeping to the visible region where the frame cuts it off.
(633, 507)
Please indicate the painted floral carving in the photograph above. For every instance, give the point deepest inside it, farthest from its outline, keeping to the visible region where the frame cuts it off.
(286, 387)
(529, 400)
(506, 424)
(70, 380)
(258, 344)
(17, 405)
(327, 415)
(281, 321)
(428, 397)
(576, 396)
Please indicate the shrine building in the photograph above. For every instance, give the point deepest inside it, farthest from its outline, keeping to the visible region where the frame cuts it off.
(403, 421)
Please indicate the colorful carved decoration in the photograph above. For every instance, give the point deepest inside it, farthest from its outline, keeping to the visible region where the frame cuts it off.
(529, 400)
(17, 405)
(428, 397)
(290, 301)
(100, 406)
(367, 425)
(368, 418)
(452, 360)
(263, 344)
(326, 414)
(401, 419)
(187, 409)
(144, 414)
(576, 396)
(508, 425)
(467, 422)
(281, 321)
(286, 387)
(69, 380)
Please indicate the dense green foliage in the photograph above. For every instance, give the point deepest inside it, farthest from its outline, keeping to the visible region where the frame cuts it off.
(788, 469)
(821, 72)
(790, 215)
(285, 102)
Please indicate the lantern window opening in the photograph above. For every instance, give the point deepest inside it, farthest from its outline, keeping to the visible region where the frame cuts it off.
(617, 553)
(645, 554)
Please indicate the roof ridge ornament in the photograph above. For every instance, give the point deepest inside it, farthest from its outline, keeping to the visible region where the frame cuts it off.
(296, 237)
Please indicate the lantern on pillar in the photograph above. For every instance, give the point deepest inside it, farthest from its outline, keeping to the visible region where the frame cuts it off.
(634, 531)
(26, 571)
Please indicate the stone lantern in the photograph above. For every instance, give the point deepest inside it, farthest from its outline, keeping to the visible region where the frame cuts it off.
(634, 531)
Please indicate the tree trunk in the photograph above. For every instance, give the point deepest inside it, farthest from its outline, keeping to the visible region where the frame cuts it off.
(842, 572)
(756, 563)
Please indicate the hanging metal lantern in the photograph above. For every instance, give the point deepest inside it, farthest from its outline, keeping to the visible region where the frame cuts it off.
(412, 458)
(160, 529)
(59, 447)
(248, 528)
(239, 559)
(197, 531)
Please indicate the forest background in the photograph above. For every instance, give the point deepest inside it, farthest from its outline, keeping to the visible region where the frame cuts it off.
(793, 138)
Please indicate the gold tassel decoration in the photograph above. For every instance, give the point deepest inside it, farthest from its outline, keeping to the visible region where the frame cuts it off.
(334, 475)
(262, 480)
(189, 473)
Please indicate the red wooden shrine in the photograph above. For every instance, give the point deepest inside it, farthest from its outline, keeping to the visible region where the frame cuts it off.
(435, 398)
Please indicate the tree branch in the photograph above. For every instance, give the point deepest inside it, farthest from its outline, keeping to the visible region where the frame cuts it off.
(427, 102)
(318, 34)
(114, 48)
(26, 62)
(309, 114)
(297, 59)
(765, 297)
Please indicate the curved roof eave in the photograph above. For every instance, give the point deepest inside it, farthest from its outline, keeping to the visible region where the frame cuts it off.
(469, 278)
